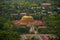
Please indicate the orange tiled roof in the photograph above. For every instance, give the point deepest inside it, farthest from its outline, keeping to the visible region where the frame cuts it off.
(35, 22)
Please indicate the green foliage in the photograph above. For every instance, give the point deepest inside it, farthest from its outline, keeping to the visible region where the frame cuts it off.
(6, 25)
(9, 35)
(47, 31)
(17, 6)
(2, 21)
(54, 20)
(53, 24)
(23, 30)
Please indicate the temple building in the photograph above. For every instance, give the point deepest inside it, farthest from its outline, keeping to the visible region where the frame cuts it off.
(27, 19)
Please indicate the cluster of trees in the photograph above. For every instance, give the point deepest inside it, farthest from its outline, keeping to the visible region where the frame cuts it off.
(8, 31)
(56, 3)
(6, 26)
(9, 35)
(52, 23)
(11, 6)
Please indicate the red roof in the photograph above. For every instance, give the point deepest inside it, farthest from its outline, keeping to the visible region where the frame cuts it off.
(35, 22)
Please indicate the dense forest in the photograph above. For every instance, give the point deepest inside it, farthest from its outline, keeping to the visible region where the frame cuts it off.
(8, 31)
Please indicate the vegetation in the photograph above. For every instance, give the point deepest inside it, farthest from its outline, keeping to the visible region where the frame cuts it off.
(9, 35)
(53, 24)
(8, 31)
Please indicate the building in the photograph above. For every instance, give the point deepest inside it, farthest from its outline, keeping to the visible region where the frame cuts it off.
(38, 36)
(46, 4)
(45, 8)
(29, 21)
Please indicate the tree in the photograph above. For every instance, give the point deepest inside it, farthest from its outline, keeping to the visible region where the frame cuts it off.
(54, 20)
(8, 25)
(2, 21)
(54, 23)
(9, 35)
(56, 3)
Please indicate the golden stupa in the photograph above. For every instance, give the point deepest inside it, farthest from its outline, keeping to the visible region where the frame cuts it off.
(27, 18)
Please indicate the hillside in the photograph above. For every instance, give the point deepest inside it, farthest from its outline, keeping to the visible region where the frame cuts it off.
(20, 1)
